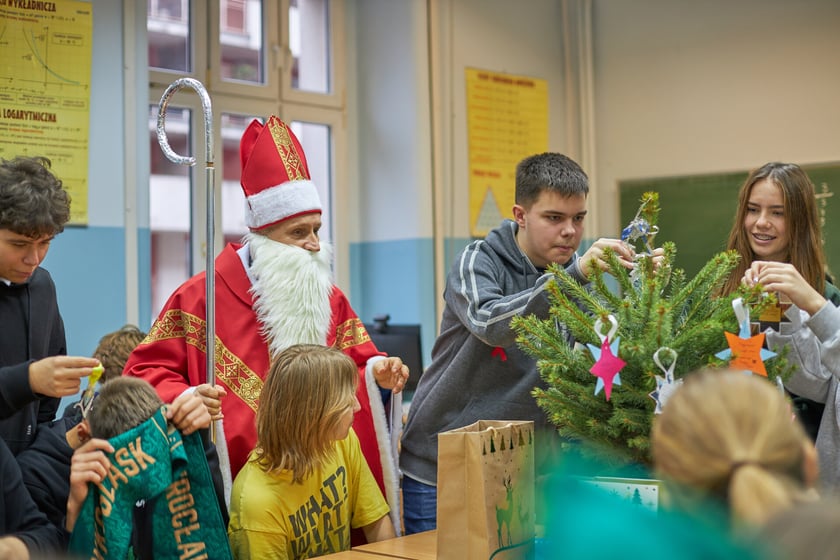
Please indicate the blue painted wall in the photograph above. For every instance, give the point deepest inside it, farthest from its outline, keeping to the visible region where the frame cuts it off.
(397, 278)
(88, 267)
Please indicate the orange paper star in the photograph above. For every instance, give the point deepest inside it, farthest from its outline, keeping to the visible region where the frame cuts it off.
(746, 353)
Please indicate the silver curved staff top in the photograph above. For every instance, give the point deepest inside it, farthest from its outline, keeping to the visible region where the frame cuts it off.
(210, 175)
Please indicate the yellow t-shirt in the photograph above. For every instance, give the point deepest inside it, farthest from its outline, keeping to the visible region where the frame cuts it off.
(272, 518)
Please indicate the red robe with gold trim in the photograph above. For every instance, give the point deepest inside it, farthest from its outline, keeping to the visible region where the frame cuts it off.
(172, 358)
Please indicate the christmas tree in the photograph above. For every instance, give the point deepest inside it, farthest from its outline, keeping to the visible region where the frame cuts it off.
(659, 324)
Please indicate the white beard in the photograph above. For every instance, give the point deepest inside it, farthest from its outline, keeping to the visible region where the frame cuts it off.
(291, 289)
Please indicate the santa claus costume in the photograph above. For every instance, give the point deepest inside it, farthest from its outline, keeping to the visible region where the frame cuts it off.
(269, 296)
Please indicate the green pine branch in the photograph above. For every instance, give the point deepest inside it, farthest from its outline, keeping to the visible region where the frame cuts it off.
(655, 307)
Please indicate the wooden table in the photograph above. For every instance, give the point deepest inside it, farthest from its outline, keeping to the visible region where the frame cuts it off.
(420, 546)
(353, 555)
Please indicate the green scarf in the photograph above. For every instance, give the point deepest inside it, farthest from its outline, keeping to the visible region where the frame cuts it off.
(153, 461)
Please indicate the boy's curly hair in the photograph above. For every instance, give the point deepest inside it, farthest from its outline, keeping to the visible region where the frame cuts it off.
(32, 200)
(114, 349)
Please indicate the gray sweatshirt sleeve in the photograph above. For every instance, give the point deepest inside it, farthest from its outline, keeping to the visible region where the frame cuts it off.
(825, 324)
(476, 292)
(814, 350)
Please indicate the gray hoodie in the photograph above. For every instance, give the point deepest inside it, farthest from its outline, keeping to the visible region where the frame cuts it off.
(815, 349)
(478, 372)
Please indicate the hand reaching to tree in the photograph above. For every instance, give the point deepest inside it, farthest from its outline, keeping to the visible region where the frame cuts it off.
(785, 279)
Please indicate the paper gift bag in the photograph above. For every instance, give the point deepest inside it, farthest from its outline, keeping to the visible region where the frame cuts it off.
(485, 491)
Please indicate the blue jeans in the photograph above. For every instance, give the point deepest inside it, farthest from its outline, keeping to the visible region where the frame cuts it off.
(419, 506)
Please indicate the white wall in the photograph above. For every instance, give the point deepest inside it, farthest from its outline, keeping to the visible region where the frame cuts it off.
(685, 87)
(678, 86)
(390, 128)
(522, 38)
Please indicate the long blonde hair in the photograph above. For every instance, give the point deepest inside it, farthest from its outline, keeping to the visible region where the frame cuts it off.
(731, 436)
(307, 391)
(805, 249)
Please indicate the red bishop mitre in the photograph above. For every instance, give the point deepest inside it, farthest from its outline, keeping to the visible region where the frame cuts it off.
(275, 176)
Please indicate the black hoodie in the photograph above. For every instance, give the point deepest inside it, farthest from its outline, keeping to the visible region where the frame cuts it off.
(31, 329)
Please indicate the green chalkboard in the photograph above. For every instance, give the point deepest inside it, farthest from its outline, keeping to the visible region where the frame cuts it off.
(697, 211)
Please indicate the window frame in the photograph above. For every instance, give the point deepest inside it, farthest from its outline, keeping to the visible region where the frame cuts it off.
(270, 90)
(336, 99)
(264, 100)
(197, 11)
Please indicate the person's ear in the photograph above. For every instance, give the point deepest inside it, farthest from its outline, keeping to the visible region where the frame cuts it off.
(78, 434)
(83, 429)
(519, 214)
(810, 465)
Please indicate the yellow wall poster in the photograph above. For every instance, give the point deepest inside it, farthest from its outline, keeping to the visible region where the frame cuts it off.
(45, 89)
(507, 120)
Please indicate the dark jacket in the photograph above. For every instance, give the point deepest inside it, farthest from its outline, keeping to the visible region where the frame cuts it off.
(45, 467)
(31, 328)
(19, 516)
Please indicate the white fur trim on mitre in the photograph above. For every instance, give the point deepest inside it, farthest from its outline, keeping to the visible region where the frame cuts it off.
(387, 438)
(281, 201)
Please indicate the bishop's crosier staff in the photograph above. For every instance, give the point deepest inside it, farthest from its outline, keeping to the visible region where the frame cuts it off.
(210, 175)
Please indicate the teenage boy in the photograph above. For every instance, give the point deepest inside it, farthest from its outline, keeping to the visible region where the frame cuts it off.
(477, 370)
(34, 370)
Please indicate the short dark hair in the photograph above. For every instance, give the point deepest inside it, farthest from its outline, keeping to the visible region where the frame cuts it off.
(32, 200)
(549, 171)
(122, 404)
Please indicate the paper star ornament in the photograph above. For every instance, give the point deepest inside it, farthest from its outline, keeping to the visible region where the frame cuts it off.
(607, 363)
(745, 352)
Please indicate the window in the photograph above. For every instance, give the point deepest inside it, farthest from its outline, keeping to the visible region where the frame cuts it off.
(311, 37)
(168, 28)
(173, 10)
(169, 196)
(309, 20)
(241, 51)
(233, 17)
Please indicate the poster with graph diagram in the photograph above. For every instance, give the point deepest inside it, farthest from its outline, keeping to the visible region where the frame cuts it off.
(507, 120)
(45, 88)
